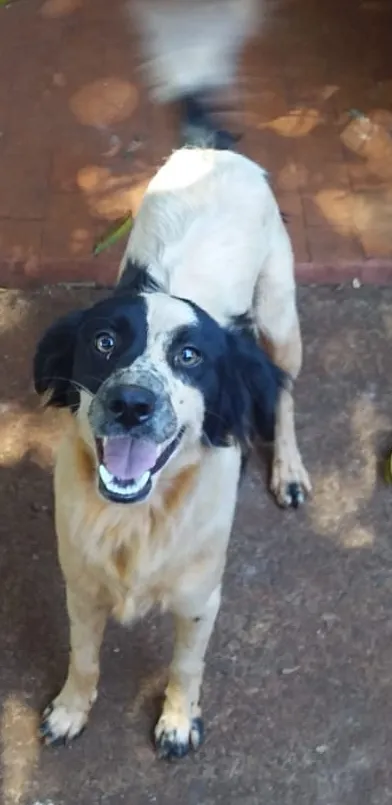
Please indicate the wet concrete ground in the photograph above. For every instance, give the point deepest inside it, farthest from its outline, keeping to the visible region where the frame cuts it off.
(298, 687)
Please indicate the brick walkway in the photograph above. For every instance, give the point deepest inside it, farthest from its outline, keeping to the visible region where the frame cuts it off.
(79, 139)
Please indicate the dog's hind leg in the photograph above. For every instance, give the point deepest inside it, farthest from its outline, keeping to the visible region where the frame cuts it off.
(276, 318)
(289, 480)
(180, 727)
(66, 716)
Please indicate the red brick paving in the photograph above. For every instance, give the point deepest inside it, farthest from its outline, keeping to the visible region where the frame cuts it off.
(71, 104)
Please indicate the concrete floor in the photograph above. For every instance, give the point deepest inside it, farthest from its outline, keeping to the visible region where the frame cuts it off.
(298, 688)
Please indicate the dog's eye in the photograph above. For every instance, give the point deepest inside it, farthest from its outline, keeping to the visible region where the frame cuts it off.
(105, 343)
(188, 356)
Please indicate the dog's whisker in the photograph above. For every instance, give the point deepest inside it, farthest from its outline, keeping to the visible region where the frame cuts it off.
(78, 386)
(214, 415)
(94, 379)
(206, 438)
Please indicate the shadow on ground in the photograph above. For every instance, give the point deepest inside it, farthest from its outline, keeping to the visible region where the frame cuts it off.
(298, 685)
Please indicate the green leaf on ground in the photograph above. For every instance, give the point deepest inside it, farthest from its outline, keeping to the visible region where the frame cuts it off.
(115, 232)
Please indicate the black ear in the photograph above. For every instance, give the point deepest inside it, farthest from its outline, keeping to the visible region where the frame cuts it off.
(263, 381)
(250, 385)
(136, 279)
(53, 362)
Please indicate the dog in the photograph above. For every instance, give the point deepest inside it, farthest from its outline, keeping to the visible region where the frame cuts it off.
(168, 382)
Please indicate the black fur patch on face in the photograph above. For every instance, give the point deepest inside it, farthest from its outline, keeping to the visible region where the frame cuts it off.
(136, 279)
(239, 383)
(70, 354)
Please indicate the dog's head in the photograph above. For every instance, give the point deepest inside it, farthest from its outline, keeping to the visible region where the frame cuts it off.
(148, 375)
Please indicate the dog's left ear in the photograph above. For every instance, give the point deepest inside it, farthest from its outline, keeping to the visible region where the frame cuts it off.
(261, 382)
(250, 384)
(53, 361)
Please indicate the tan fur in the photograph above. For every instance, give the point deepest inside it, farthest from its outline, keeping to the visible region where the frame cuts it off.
(121, 560)
(178, 490)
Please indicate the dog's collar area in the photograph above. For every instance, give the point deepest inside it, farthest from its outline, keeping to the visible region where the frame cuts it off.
(132, 490)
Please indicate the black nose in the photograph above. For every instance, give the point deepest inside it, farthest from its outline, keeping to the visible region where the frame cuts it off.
(130, 405)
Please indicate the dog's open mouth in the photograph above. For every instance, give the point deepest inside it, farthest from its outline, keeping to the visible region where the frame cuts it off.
(127, 464)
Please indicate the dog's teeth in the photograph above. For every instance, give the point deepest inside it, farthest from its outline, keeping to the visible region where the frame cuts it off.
(106, 476)
(140, 483)
(130, 489)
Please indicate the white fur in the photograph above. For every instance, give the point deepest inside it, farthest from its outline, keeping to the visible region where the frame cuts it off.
(209, 229)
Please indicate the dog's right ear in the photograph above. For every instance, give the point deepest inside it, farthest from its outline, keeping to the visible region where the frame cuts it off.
(53, 362)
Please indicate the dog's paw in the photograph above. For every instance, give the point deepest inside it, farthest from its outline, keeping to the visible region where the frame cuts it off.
(290, 481)
(61, 724)
(175, 738)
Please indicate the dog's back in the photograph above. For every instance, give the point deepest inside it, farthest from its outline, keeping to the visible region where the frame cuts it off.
(205, 228)
(210, 228)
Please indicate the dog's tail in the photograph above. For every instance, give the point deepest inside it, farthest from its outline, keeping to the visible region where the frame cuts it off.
(190, 52)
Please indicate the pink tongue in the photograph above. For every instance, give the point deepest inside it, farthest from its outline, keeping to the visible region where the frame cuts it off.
(127, 458)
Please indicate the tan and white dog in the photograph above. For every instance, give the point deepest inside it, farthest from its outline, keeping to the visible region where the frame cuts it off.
(168, 386)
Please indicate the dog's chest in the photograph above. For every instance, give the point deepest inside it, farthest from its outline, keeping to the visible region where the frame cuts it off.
(138, 577)
(168, 552)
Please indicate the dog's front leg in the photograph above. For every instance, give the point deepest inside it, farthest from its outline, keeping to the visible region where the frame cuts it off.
(180, 727)
(67, 715)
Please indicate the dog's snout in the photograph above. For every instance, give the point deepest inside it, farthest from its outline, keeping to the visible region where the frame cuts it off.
(130, 405)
